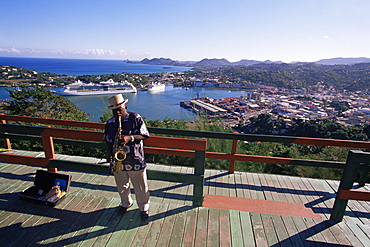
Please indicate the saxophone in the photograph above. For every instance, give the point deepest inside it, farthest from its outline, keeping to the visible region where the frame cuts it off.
(119, 154)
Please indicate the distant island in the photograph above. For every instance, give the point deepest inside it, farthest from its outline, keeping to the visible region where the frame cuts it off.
(213, 63)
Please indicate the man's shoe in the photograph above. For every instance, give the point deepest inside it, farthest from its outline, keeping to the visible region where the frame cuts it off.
(144, 215)
(123, 210)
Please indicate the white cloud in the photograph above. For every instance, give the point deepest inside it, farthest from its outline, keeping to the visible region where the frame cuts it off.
(9, 50)
(89, 53)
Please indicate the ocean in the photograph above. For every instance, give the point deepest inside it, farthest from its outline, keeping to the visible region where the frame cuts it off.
(86, 66)
(151, 105)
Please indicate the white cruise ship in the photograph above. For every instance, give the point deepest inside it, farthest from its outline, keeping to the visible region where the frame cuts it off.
(79, 88)
(156, 87)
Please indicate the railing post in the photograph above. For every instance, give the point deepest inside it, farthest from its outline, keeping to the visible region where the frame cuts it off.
(233, 151)
(7, 144)
(47, 142)
(363, 175)
(346, 183)
(199, 168)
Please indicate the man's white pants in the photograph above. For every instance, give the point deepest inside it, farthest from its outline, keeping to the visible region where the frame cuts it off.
(139, 182)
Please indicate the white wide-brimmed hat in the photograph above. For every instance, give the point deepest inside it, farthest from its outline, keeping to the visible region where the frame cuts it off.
(116, 101)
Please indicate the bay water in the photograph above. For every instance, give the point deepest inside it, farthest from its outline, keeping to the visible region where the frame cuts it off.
(151, 105)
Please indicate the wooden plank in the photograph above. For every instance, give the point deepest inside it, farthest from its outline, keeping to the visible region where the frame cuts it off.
(178, 228)
(239, 192)
(232, 185)
(257, 186)
(265, 188)
(315, 228)
(281, 231)
(132, 229)
(154, 185)
(221, 181)
(247, 229)
(40, 221)
(81, 210)
(185, 192)
(360, 209)
(74, 225)
(75, 234)
(360, 234)
(99, 227)
(202, 224)
(121, 231)
(346, 230)
(211, 180)
(235, 228)
(108, 227)
(303, 232)
(22, 221)
(64, 223)
(156, 220)
(268, 226)
(145, 226)
(259, 233)
(167, 227)
(50, 223)
(175, 197)
(189, 195)
(213, 232)
(190, 228)
(165, 185)
(293, 233)
(246, 185)
(332, 233)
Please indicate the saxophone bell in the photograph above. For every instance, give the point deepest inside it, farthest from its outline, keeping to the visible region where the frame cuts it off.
(120, 155)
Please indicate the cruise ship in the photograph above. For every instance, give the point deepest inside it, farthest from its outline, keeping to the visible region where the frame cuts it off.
(79, 88)
(156, 87)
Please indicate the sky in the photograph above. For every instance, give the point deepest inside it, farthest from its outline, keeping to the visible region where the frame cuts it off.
(187, 30)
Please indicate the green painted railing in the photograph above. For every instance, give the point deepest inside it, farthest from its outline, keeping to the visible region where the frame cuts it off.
(161, 145)
(355, 161)
(232, 156)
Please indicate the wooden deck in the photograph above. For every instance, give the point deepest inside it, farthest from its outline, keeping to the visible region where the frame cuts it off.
(88, 215)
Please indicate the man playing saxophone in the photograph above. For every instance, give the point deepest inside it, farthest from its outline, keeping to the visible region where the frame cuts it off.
(123, 135)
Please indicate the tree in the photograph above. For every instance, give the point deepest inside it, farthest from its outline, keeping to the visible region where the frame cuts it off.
(41, 102)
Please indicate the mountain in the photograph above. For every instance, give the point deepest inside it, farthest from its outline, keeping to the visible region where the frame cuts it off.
(160, 61)
(212, 63)
(204, 63)
(341, 60)
(216, 63)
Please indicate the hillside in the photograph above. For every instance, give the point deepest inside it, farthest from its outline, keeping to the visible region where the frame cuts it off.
(216, 63)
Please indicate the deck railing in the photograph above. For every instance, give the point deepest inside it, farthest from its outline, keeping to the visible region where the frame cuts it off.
(156, 145)
(94, 138)
(356, 159)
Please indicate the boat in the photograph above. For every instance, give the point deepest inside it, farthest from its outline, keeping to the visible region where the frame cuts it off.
(79, 88)
(156, 87)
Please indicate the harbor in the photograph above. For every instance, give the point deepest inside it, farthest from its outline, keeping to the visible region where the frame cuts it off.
(231, 110)
(151, 105)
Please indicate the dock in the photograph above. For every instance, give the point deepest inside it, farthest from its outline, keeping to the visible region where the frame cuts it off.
(240, 209)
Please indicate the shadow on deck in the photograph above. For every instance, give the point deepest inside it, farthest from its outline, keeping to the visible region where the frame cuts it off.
(88, 215)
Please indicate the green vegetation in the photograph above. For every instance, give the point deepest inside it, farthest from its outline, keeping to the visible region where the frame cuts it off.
(17, 76)
(318, 128)
(354, 77)
(40, 102)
